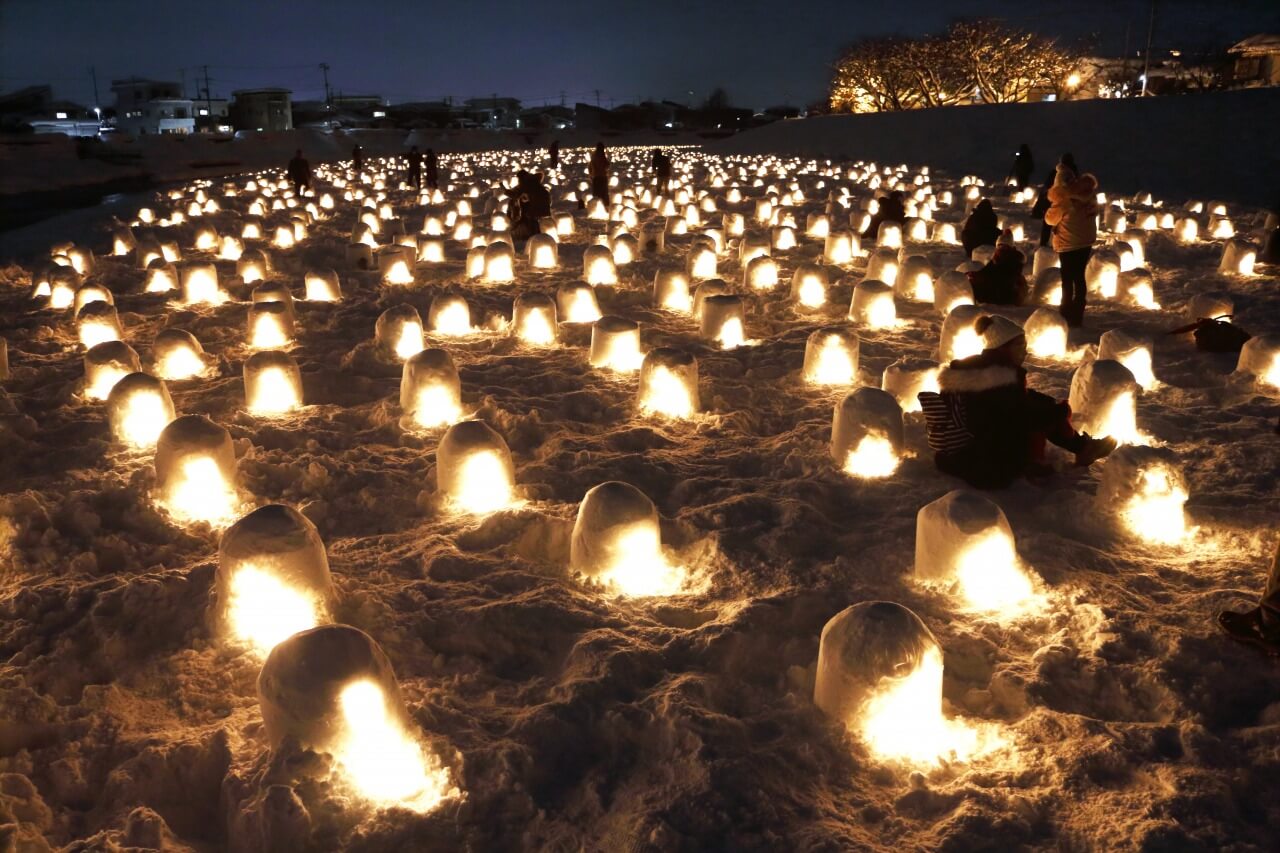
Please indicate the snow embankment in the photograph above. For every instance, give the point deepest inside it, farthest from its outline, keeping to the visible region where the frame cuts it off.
(1220, 145)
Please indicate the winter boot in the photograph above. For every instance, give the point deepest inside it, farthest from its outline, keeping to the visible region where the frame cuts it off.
(1249, 627)
(1092, 449)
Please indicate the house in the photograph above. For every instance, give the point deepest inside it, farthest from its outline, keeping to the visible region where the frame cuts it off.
(212, 114)
(547, 118)
(1257, 61)
(494, 113)
(152, 106)
(35, 108)
(266, 109)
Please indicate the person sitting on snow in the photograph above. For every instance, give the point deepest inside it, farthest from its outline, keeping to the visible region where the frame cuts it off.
(1258, 626)
(986, 427)
(980, 229)
(892, 209)
(1001, 281)
(530, 201)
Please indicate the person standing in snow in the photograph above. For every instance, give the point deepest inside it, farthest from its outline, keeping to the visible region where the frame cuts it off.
(891, 209)
(599, 172)
(980, 229)
(1073, 215)
(1042, 207)
(1258, 626)
(529, 203)
(357, 158)
(299, 172)
(553, 154)
(1023, 166)
(415, 167)
(433, 169)
(986, 427)
(661, 170)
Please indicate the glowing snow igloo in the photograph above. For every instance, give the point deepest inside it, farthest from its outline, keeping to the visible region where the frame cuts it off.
(883, 265)
(964, 542)
(840, 247)
(332, 689)
(598, 266)
(617, 542)
(360, 256)
(533, 319)
(138, 409)
(106, 364)
(831, 357)
(959, 337)
(1260, 357)
(1047, 287)
(1138, 288)
(669, 383)
(1103, 401)
(177, 354)
(879, 675)
(906, 378)
(449, 314)
(474, 469)
(200, 285)
(272, 383)
(704, 290)
(89, 294)
(951, 291)
(700, 262)
(195, 467)
(1102, 274)
(542, 252)
(761, 273)
(430, 390)
(872, 304)
(1134, 353)
(398, 332)
(395, 264)
(914, 282)
(615, 344)
(576, 303)
(1238, 257)
(270, 325)
(809, 285)
(724, 320)
(98, 322)
(322, 286)
(1046, 330)
(1210, 305)
(253, 265)
(867, 433)
(671, 291)
(1044, 258)
(273, 578)
(1146, 489)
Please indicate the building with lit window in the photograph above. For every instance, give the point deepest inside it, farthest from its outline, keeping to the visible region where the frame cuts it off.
(152, 106)
(269, 109)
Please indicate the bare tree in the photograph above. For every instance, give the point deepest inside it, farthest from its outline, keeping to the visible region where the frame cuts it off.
(874, 75)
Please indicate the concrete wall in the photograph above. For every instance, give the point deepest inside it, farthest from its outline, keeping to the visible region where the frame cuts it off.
(1222, 145)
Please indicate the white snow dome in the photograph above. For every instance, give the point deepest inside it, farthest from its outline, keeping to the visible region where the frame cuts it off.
(332, 689)
(598, 266)
(950, 291)
(98, 322)
(840, 247)
(1102, 274)
(272, 383)
(270, 325)
(1260, 358)
(1131, 351)
(1046, 330)
(959, 337)
(831, 357)
(398, 332)
(542, 252)
(669, 383)
(138, 409)
(322, 286)
(474, 469)
(615, 344)
(200, 284)
(671, 291)
(1238, 257)
(964, 543)
(700, 262)
(723, 319)
(883, 265)
(533, 319)
(430, 390)
(761, 273)
(867, 433)
(449, 315)
(809, 285)
(1103, 401)
(195, 467)
(872, 304)
(1210, 305)
(576, 303)
(177, 354)
(106, 364)
(914, 282)
(1138, 288)
(907, 377)
(273, 578)
(617, 542)
(1145, 488)
(1044, 258)
(253, 265)
(705, 289)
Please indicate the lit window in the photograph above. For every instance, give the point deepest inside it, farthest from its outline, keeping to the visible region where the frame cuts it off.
(203, 111)
(379, 113)
(62, 115)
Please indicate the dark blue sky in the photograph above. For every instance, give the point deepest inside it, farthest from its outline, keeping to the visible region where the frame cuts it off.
(763, 53)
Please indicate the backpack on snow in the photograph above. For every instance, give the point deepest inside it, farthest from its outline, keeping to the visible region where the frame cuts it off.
(1215, 334)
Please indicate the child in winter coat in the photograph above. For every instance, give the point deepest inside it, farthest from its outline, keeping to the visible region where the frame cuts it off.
(1001, 281)
(986, 427)
(1073, 214)
(980, 229)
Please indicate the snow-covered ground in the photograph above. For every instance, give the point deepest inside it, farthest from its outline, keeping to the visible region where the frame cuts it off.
(567, 716)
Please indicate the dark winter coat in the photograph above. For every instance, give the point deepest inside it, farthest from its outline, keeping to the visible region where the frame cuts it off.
(892, 209)
(530, 202)
(990, 396)
(1270, 253)
(300, 171)
(1001, 281)
(981, 228)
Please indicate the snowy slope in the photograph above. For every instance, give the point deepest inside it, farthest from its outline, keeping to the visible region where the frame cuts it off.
(574, 720)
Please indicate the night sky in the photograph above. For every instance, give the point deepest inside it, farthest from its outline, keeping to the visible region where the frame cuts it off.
(763, 53)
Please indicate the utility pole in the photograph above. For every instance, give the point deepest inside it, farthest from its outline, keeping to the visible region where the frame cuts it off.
(1146, 62)
(97, 107)
(328, 95)
(597, 98)
(208, 98)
